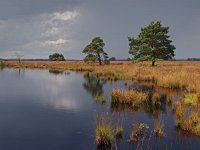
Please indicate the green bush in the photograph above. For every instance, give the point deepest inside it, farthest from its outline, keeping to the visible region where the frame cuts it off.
(56, 57)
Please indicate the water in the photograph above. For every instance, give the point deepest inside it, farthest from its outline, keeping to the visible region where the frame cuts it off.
(48, 110)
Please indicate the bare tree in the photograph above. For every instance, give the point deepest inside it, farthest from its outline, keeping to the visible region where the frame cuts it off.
(19, 56)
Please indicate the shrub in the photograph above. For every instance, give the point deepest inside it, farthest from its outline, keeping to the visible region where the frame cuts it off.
(56, 57)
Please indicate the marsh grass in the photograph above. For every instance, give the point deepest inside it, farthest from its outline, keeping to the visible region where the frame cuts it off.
(167, 74)
(138, 131)
(118, 131)
(158, 128)
(178, 111)
(130, 97)
(190, 99)
(187, 119)
(2, 64)
(103, 131)
(190, 121)
(156, 98)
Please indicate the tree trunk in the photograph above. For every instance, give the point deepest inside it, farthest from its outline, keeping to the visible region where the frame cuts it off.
(153, 63)
(99, 59)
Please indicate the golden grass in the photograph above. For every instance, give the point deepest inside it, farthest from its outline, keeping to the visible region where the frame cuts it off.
(129, 96)
(187, 119)
(169, 74)
(103, 131)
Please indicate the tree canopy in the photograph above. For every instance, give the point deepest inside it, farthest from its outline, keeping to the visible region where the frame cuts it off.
(152, 43)
(56, 57)
(94, 50)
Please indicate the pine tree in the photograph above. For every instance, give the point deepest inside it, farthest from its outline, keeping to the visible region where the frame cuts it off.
(152, 44)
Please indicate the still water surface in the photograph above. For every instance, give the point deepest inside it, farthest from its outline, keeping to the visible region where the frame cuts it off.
(46, 110)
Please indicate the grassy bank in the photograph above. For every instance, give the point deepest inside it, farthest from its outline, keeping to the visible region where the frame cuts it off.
(180, 75)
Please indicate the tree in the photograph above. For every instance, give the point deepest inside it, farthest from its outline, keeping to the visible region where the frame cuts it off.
(19, 56)
(56, 57)
(95, 50)
(152, 43)
(90, 57)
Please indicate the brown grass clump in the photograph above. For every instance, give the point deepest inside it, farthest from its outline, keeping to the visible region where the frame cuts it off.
(103, 131)
(138, 131)
(178, 111)
(158, 128)
(156, 97)
(190, 121)
(129, 96)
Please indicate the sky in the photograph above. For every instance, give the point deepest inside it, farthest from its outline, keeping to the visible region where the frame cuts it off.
(38, 28)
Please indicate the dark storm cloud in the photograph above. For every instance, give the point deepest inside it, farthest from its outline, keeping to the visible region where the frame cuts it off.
(22, 8)
(37, 28)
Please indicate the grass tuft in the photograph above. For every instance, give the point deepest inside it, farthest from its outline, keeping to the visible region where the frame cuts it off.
(103, 131)
(190, 99)
(130, 96)
(158, 128)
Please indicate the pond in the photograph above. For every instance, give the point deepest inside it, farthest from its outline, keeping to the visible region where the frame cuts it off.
(52, 110)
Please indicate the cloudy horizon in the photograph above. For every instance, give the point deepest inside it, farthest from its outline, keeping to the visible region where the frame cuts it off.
(36, 28)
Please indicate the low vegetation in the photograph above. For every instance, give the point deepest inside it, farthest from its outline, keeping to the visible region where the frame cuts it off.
(2, 64)
(186, 118)
(130, 96)
(118, 131)
(158, 128)
(138, 131)
(103, 131)
(191, 99)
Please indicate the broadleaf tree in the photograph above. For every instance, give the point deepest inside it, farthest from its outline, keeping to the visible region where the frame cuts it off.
(152, 44)
(94, 50)
(56, 57)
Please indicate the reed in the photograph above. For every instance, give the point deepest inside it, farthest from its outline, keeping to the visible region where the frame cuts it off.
(138, 131)
(103, 131)
(130, 96)
(158, 128)
(118, 131)
(178, 111)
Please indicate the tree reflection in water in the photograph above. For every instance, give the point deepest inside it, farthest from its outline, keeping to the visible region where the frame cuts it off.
(94, 87)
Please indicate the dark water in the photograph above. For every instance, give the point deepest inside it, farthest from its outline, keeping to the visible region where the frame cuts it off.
(48, 110)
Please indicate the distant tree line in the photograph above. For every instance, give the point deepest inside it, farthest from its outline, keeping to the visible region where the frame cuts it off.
(193, 59)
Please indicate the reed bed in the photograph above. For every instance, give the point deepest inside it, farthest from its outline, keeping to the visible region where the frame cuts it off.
(130, 96)
(187, 117)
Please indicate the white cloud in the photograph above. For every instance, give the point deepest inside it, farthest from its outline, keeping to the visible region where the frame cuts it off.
(56, 42)
(67, 15)
(52, 31)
